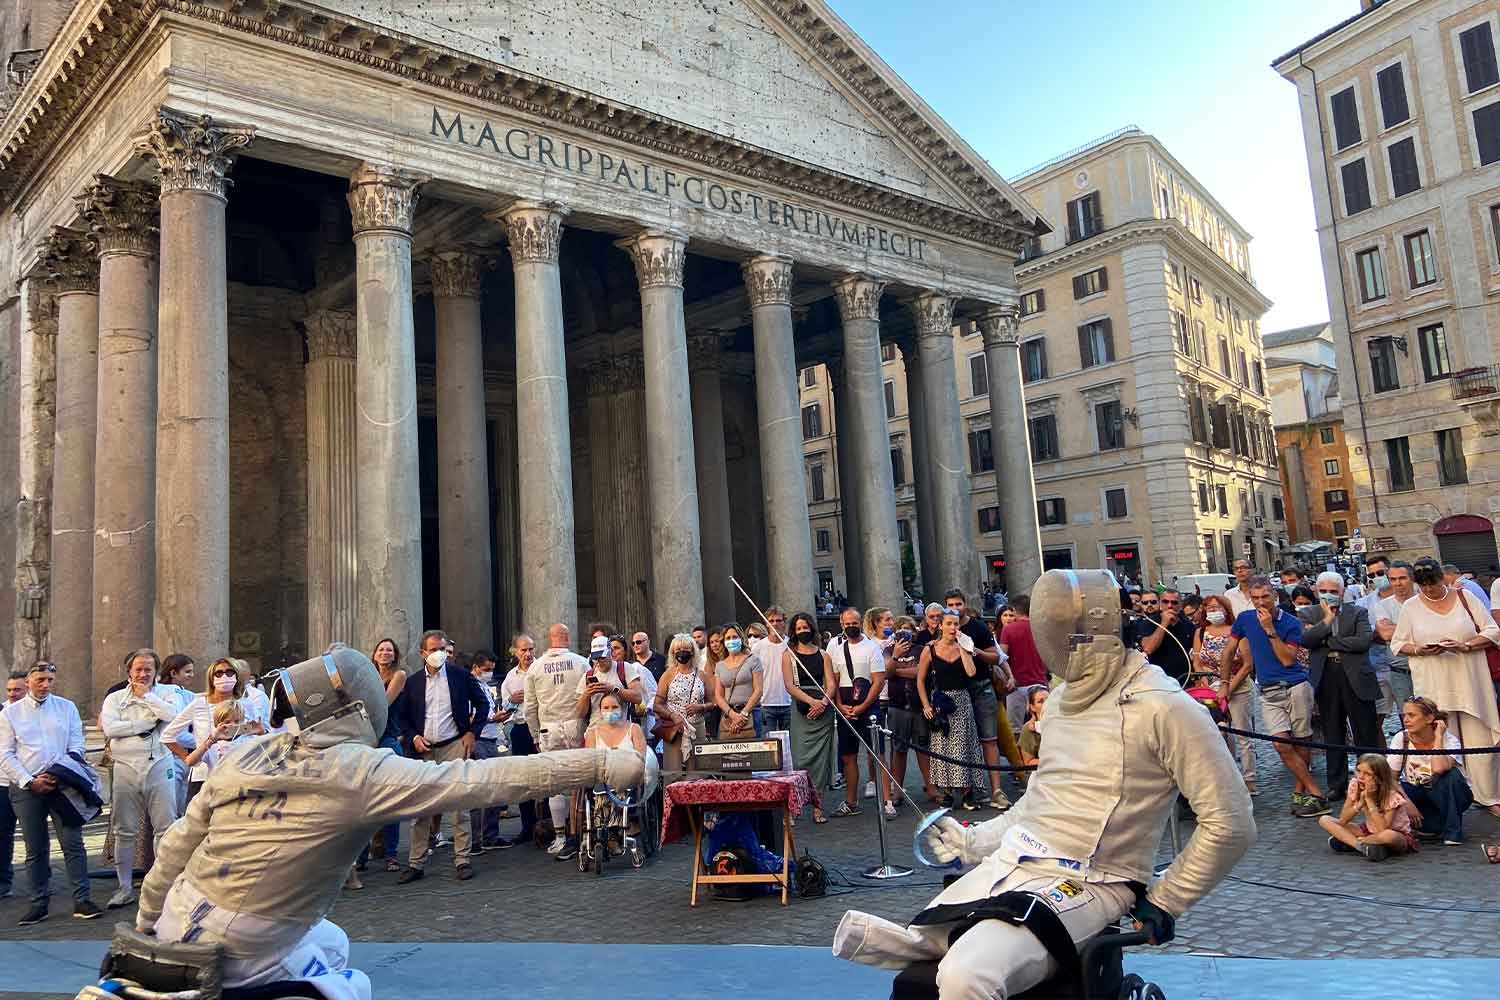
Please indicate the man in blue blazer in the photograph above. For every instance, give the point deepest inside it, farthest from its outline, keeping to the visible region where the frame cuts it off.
(443, 709)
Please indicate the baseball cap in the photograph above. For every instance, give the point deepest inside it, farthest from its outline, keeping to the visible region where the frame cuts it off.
(599, 648)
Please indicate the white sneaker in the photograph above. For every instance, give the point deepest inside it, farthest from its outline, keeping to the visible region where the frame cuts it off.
(124, 897)
(442, 842)
(890, 810)
(556, 845)
(869, 789)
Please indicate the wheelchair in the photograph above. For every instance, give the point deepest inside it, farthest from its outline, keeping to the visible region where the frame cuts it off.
(139, 967)
(606, 821)
(1101, 975)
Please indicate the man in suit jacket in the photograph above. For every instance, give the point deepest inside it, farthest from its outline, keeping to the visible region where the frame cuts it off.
(1343, 679)
(443, 709)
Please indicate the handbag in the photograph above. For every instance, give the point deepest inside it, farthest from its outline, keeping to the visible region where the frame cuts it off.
(1491, 653)
(667, 730)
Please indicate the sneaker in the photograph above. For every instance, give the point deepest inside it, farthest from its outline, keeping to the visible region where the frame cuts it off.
(966, 805)
(464, 872)
(890, 810)
(124, 897)
(1375, 852)
(441, 841)
(980, 800)
(845, 809)
(1454, 843)
(476, 849)
(409, 875)
(35, 915)
(1430, 836)
(1337, 846)
(999, 802)
(838, 781)
(557, 845)
(1298, 801)
(1310, 806)
(503, 845)
(86, 910)
(870, 790)
(569, 851)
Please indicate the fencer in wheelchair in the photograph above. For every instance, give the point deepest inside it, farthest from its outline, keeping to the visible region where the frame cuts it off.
(253, 868)
(616, 821)
(1075, 854)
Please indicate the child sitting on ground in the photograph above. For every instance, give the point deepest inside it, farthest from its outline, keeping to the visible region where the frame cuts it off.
(1030, 741)
(1386, 829)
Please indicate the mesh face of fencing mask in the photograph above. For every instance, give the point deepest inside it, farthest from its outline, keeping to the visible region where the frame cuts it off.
(338, 694)
(1075, 621)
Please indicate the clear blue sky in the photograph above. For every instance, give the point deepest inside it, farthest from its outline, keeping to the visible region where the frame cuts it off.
(1025, 82)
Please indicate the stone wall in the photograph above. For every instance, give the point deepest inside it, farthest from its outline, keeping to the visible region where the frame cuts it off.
(268, 476)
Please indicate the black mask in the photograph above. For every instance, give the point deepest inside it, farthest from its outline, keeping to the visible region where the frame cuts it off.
(852, 631)
(683, 656)
(805, 638)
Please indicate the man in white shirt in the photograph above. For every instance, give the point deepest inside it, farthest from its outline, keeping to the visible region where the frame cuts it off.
(485, 823)
(551, 713)
(41, 736)
(512, 695)
(859, 667)
(775, 703)
(15, 690)
(1239, 595)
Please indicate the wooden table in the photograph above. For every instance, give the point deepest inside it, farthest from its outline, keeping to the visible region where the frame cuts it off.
(788, 792)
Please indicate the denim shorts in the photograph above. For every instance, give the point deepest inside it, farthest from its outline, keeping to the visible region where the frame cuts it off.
(986, 711)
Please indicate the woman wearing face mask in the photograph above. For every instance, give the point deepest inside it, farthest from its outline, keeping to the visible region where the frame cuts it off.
(226, 682)
(1208, 650)
(681, 700)
(613, 731)
(808, 673)
(1443, 633)
(738, 681)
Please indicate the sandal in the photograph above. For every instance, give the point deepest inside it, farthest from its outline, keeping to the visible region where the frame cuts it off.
(818, 817)
(392, 865)
(1491, 853)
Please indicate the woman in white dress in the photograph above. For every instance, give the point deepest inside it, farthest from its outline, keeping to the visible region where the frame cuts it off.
(226, 681)
(1443, 633)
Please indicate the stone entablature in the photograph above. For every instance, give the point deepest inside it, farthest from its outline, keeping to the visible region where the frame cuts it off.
(98, 36)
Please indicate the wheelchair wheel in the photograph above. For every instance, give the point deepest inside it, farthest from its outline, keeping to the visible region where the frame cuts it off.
(637, 856)
(600, 853)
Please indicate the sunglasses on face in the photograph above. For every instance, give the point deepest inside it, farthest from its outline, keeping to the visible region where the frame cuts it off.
(225, 673)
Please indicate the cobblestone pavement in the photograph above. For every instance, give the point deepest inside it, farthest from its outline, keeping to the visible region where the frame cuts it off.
(1290, 898)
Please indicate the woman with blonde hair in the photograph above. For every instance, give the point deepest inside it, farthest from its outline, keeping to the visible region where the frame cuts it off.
(1386, 829)
(681, 699)
(738, 681)
(226, 680)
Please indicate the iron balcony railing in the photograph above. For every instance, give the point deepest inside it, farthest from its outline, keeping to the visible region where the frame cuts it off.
(1474, 382)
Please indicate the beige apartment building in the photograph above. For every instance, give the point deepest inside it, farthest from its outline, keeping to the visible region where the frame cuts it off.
(1400, 111)
(1147, 413)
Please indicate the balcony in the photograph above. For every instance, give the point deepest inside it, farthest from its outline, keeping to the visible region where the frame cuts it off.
(1477, 390)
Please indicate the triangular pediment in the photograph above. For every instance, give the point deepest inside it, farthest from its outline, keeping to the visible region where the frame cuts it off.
(784, 76)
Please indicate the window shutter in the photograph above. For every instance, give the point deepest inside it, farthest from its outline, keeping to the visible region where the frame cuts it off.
(1487, 132)
(1393, 107)
(1107, 326)
(1085, 353)
(1346, 130)
(1078, 287)
(1103, 279)
(1096, 213)
(1478, 48)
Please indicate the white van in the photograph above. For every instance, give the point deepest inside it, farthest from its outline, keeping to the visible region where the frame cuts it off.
(1204, 583)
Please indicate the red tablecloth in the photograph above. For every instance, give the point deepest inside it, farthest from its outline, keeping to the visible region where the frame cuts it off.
(791, 791)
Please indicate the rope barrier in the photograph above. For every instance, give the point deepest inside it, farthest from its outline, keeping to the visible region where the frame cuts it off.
(976, 765)
(1316, 745)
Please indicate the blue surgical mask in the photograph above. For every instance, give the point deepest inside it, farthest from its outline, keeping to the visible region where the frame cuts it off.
(613, 716)
(887, 631)
(1332, 600)
(733, 645)
(1382, 582)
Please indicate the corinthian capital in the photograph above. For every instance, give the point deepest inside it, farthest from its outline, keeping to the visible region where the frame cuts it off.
(192, 152)
(768, 280)
(858, 296)
(120, 215)
(658, 258)
(533, 230)
(457, 272)
(1000, 326)
(330, 334)
(382, 199)
(933, 312)
(70, 262)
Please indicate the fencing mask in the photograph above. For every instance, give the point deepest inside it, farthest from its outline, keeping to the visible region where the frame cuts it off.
(1075, 621)
(339, 693)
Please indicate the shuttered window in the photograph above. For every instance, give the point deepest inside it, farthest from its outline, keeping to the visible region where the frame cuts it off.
(1392, 86)
(1096, 343)
(1478, 48)
(1084, 217)
(1404, 175)
(1092, 283)
(1356, 187)
(1487, 132)
(1345, 119)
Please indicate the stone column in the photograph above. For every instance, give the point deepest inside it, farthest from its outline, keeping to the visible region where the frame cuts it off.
(854, 573)
(671, 466)
(463, 460)
(122, 217)
(389, 519)
(953, 539)
(193, 154)
(864, 422)
(768, 279)
(716, 526)
(1010, 437)
(72, 265)
(921, 483)
(549, 575)
(509, 587)
(332, 480)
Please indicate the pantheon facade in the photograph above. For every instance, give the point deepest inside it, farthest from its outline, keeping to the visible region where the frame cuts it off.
(337, 321)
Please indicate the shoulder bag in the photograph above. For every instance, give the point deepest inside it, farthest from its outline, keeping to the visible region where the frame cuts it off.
(1491, 653)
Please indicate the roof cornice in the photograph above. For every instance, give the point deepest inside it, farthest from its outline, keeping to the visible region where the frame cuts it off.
(100, 33)
(1169, 231)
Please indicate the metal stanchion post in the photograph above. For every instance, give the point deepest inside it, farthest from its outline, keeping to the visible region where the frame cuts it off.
(884, 870)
